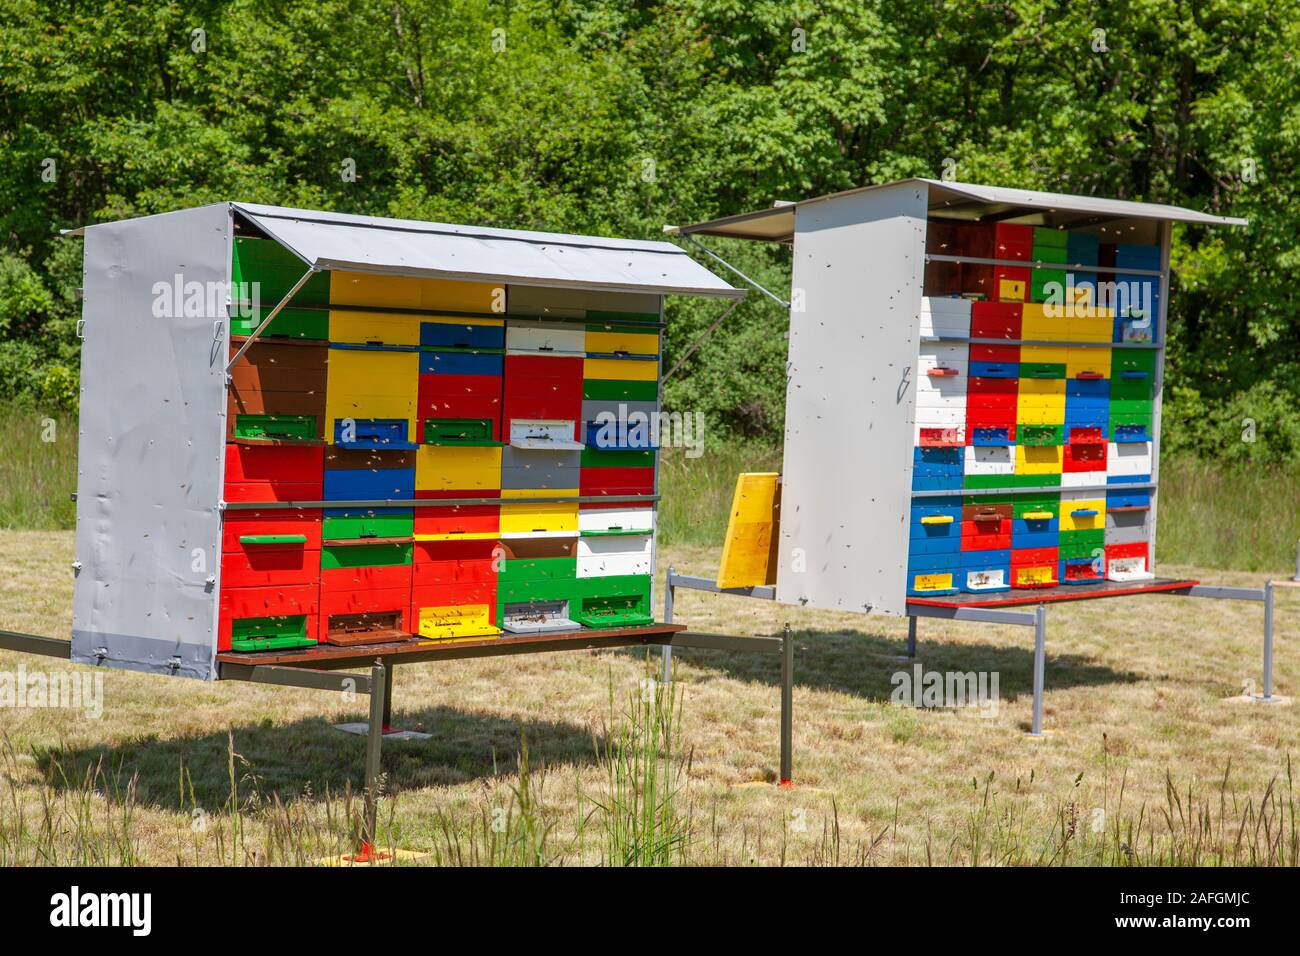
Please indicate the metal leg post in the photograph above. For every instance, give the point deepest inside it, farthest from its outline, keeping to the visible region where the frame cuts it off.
(1268, 643)
(379, 677)
(388, 697)
(787, 708)
(1040, 654)
(668, 619)
(911, 636)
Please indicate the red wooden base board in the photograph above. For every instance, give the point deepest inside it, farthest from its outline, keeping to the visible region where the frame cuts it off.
(1078, 592)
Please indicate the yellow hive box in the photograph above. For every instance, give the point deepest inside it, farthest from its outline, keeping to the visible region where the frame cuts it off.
(627, 370)
(376, 327)
(1090, 323)
(1083, 522)
(1048, 354)
(1041, 416)
(1039, 459)
(634, 343)
(522, 493)
(404, 292)
(463, 320)
(372, 372)
(1091, 310)
(1034, 574)
(470, 620)
(368, 383)
(449, 468)
(1084, 361)
(932, 582)
(540, 517)
(1009, 290)
(1045, 388)
(748, 551)
(1037, 324)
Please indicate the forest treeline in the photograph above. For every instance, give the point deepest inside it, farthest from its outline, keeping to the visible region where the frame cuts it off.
(618, 117)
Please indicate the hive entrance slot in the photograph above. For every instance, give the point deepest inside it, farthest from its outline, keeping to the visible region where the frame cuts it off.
(370, 627)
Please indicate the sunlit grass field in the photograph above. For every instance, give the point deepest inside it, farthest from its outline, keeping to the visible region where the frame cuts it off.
(576, 758)
(1145, 761)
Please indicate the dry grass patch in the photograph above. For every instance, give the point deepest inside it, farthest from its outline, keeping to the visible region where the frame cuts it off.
(1144, 762)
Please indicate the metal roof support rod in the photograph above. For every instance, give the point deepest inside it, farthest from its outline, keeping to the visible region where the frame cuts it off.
(311, 271)
(700, 341)
(757, 285)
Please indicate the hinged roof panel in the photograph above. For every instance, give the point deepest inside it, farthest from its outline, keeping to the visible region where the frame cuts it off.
(966, 201)
(439, 250)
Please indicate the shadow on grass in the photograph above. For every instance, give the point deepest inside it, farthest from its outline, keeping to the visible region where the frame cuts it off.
(862, 664)
(310, 756)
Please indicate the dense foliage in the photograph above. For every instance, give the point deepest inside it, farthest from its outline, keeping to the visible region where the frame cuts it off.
(616, 117)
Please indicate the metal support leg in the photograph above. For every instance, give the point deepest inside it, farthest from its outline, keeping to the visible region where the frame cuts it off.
(388, 697)
(379, 677)
(911, 636)
(787, 708)
(1268, 643)
(668, 619)
(1040, 654)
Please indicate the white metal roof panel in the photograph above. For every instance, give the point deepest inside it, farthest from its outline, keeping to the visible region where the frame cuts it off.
(441, 250)
(777, 224)
(1064, 202)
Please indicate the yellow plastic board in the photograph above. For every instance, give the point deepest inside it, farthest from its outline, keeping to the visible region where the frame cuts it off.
(749, 550)
(405, 292)
(452, 468)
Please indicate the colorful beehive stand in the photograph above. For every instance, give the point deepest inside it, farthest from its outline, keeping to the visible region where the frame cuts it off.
(1034, 408)
(973, 406)
(304, 428)
(502, 418)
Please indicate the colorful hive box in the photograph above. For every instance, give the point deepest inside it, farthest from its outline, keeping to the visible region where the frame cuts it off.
(398, 390)
(1050, 402)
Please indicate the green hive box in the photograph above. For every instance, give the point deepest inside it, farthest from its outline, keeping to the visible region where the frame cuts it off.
(266, 271)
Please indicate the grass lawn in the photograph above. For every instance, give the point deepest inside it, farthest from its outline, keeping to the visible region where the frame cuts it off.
(1144, 763)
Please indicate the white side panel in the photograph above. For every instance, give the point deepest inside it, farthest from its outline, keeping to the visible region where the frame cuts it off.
(847, 473)
(619, 554)
(616, 519)
(151, 445)
(546, 337)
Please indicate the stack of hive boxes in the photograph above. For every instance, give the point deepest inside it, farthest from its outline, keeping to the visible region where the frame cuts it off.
(484, 402)
(1027, 381)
